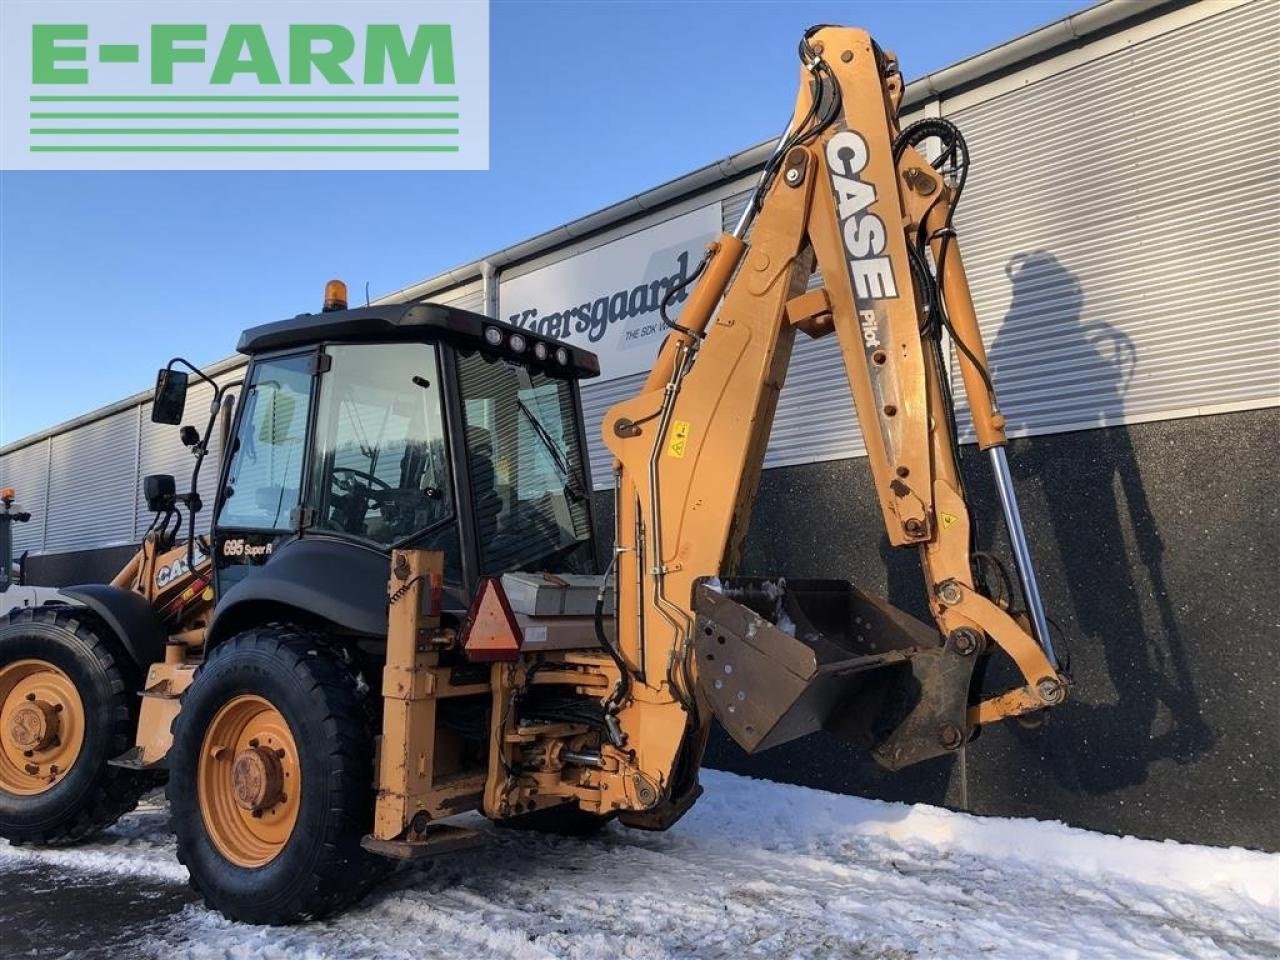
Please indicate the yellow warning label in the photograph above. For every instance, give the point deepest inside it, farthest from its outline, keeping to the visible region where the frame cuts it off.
(947, 519)
(679, 439)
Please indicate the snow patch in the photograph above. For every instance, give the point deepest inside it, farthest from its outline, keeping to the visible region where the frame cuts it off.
(757, 870)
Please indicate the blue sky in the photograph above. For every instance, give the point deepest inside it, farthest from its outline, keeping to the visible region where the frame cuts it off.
(104, 276)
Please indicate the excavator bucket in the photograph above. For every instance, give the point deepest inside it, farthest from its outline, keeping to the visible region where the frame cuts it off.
(782, 658)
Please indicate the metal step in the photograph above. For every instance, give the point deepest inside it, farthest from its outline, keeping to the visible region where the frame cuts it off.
(437, 840)
(131, 759)
(161, 690)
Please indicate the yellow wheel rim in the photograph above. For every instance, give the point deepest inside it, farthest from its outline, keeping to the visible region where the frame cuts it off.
(41, 726)
(249, 781)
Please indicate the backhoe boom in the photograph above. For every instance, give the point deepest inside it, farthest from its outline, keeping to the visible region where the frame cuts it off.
(850, 193)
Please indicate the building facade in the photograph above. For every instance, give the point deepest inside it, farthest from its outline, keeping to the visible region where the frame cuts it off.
(1120, 230)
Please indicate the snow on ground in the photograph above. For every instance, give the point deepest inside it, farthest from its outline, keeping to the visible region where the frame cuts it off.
(756, 870)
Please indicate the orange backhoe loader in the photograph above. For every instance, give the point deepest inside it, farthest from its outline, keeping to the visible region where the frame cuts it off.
(398, 616)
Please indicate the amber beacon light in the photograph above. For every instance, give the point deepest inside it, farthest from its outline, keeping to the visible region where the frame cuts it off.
(335, 296)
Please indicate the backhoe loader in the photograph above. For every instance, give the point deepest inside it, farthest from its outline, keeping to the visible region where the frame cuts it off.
(398, 616)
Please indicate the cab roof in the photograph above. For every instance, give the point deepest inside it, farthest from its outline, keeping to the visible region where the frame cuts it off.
(413, 322)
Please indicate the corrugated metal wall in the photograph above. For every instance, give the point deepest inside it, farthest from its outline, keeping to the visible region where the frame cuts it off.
(92, 475)
(84, 487)
(469, 296)
(27, 471)
(1120, 229)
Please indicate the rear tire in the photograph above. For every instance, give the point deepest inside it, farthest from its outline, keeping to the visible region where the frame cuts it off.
(288, 676)
(65, 662)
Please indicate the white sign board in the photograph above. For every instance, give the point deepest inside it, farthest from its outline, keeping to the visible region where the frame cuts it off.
(606, 300)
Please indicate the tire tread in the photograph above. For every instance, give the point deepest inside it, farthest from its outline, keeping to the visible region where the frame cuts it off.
(335, 881)
(119, 789)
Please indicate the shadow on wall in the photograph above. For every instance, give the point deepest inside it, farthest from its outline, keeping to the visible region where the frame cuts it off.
(1107, 547)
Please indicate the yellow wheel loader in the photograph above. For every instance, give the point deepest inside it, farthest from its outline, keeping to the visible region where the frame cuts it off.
(398, 616)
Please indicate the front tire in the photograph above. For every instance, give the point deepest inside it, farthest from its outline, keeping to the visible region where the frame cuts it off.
(68, 704)
(271, 781)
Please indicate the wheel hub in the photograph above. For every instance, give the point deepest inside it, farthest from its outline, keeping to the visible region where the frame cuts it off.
(34, 726)
(257, 778)
(42, 726)
(249, 780)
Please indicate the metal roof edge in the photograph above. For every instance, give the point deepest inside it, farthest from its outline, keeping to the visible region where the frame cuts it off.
(997, 59)
(1014, 53)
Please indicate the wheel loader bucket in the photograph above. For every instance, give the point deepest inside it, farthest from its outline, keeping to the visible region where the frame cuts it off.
(778, 659)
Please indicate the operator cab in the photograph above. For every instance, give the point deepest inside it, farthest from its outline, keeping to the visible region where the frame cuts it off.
(407, 425)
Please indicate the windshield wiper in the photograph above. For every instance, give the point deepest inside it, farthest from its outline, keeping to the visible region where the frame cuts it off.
(572, 481)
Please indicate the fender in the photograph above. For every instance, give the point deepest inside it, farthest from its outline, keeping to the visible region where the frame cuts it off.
(341, 582)
(128, 615)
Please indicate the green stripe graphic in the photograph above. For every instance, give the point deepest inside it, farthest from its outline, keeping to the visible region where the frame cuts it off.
(225, 131)
(240, 115)
(241, 148)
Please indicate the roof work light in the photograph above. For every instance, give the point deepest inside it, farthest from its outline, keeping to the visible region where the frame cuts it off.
(335, 296)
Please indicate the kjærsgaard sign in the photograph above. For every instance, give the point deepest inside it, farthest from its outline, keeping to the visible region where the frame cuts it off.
(176, 84)
(607, 300)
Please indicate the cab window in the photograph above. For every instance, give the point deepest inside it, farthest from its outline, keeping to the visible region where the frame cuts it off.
(528, 476)
(380, 470)
(265, 473)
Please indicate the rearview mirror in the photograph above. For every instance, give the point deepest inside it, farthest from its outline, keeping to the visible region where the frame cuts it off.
(170, 398)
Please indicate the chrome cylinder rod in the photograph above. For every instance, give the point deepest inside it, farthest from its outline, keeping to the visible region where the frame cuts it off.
(752, 208)
(1022, 553)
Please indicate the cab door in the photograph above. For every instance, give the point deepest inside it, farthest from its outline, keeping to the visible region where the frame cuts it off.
(262, 486)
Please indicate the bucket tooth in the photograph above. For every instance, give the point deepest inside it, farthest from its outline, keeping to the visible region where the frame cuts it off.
(778, 659)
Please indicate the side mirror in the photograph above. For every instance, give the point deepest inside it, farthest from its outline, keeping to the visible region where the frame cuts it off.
(189, 436)
(158, 490)
(170, 398)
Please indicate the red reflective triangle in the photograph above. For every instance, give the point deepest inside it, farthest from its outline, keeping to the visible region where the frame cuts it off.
(491, 632)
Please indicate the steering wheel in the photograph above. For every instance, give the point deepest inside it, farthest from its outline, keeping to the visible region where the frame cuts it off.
(361, 475)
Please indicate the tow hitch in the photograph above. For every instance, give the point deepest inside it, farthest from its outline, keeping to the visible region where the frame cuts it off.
(782, 658)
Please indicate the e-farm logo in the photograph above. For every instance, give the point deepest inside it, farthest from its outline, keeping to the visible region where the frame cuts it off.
(179, 84)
